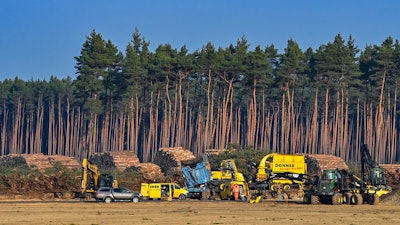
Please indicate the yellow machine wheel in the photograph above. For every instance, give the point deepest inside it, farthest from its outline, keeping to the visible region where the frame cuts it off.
(286, 187)
(337, 199)
(276, 187)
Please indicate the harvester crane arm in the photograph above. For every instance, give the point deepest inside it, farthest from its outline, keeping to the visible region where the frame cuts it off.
(366, 157)
(371, 172)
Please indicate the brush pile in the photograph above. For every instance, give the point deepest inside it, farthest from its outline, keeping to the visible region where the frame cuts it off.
(169, 159)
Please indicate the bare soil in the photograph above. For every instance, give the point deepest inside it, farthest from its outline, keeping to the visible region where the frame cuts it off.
(71, 212)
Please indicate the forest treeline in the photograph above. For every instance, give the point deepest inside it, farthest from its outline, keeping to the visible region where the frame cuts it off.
(330, 100)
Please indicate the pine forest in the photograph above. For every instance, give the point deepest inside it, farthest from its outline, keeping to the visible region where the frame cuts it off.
(330, 100)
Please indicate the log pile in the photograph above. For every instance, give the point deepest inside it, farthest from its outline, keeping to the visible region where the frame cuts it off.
(213, 152)
(392, 172)
(151, 171)
(128, 160)
(169, 159)
(43, 162)
(125, 159)
(316, 163)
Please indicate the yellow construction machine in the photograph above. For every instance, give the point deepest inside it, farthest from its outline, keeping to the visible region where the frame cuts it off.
(227, 176)
(280, 177)
(204, 183)
(93, 180)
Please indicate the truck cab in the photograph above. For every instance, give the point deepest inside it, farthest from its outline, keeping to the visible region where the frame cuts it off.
(163, 191)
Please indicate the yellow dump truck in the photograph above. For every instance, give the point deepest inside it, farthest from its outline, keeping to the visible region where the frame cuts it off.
(281, 177)
(163, 191)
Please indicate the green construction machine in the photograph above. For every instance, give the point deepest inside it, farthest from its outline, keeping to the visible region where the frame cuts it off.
(341, 187)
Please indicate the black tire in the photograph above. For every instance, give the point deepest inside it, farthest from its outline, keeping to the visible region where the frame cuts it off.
(182, 197)
(337, 199)
(307, 199)
(357, 199)
(347, 198)
(374, 199)
(315, 200)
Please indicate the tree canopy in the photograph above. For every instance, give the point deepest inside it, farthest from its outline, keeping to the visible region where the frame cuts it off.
(329, 100)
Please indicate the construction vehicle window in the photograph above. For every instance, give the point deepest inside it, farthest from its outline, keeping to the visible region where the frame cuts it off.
(328, 176)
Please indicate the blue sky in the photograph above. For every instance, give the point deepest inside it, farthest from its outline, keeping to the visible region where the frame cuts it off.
(41, 38)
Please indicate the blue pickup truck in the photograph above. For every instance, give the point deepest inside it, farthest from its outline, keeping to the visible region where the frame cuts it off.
(109, 194)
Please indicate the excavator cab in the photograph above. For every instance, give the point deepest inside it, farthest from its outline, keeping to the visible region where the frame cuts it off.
(107, 180)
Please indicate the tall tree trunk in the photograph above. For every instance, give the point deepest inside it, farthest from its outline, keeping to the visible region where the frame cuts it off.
(68, 133)
(393, 140)
(3, 131)
(314, 126)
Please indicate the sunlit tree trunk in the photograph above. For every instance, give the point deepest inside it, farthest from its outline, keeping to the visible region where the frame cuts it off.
(3, 131)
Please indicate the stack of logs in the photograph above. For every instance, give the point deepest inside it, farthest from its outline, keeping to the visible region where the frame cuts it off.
(170, 159)
(316, 163)
(128, 159)
(124, 159)
(392, 172)
(43, 162)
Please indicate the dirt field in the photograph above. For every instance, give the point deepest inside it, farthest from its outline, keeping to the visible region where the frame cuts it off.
(192, 212)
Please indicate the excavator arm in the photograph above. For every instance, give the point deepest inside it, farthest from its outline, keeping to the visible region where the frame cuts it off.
(90, 173)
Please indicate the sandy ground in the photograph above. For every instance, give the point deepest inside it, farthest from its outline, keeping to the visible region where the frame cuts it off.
(193, 212)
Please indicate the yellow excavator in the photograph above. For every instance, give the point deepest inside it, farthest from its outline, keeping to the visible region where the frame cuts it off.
(93, 180)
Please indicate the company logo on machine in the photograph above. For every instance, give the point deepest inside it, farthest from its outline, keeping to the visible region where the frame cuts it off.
(287, 167)
(284, 165)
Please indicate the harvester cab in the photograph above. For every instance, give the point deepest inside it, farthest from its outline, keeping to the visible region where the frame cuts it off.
(373, 178)
(334, 181)
(377, 177)
(334, 187)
